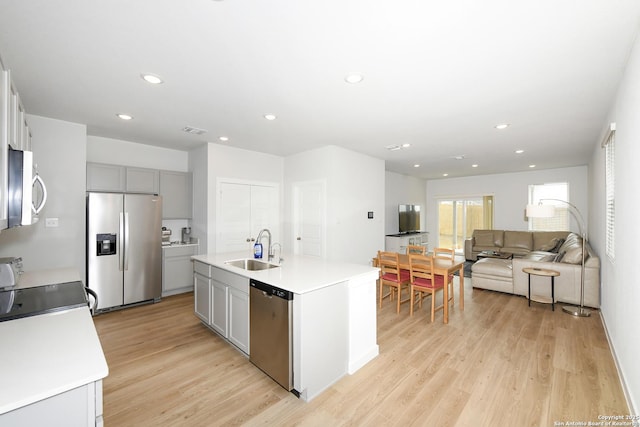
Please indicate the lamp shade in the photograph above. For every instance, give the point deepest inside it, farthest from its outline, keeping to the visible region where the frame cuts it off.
(540, 211)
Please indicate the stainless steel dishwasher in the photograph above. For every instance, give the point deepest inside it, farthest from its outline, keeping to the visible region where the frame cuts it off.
(270, 331)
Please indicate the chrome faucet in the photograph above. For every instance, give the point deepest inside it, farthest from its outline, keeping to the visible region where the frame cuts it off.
(259, 240)
(272, 252)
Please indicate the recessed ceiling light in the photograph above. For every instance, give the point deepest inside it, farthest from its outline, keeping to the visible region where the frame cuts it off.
(519, 151)
(502, 126)
(406, 145)
(461, 157)
(223, 138)
(354, 78)
(416, 165)
(124, 116)
(445, 174)
(393, 147)
(151, 78)
(270, 116)
(474, 166)
(532, 166)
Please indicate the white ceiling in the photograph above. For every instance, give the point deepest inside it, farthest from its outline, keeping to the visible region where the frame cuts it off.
(437, 75)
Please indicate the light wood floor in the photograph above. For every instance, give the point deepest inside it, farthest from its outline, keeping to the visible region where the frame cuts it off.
(498, 363)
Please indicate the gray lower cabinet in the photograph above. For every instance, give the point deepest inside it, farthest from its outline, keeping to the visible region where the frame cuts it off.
(81, 406)
(226, 297)
(177, 271)
(202, 293)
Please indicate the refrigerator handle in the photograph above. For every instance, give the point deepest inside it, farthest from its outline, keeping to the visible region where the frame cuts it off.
(121, 244)
(126, 241)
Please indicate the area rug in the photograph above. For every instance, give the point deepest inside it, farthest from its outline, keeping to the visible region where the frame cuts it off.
(467, 269)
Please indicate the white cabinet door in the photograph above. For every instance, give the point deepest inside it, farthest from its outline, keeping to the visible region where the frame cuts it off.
(239, 319)
(235, 218)
(202, 297)
(219, 319)
(244, 210)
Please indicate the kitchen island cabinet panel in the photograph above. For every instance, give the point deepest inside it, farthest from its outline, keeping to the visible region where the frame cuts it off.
(219, 312)
(202, 296)
(222, 303)
(239, 319)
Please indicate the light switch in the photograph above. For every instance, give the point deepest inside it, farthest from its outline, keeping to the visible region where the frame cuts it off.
(51, 222)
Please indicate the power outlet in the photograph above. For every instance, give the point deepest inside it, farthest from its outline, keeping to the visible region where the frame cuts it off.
(51, 222)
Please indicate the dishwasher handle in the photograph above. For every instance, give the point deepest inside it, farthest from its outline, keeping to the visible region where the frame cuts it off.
(270, 290)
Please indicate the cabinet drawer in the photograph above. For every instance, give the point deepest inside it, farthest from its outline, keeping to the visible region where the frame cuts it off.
(233, 280)
(202, 268)
(176, 251)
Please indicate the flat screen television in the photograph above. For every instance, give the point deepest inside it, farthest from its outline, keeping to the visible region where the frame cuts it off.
(409, 218)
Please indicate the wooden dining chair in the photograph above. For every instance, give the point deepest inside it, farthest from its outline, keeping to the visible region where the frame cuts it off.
(423, 281)
(392, 277)
(450, 254)
(416, 249)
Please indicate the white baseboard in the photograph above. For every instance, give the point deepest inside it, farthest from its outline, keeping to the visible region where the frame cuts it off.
(625, 389)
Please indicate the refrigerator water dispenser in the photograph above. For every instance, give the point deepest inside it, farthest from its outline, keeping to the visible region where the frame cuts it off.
(106, 244)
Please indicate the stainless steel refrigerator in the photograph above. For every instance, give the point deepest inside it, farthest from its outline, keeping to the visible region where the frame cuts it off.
(124, 248)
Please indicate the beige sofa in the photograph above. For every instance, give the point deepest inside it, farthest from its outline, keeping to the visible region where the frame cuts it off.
(507, 275)
(518, 243)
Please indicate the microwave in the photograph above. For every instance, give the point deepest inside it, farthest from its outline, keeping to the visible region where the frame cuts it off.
(21, 209)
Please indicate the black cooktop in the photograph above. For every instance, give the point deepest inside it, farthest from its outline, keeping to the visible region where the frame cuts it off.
(18, 303)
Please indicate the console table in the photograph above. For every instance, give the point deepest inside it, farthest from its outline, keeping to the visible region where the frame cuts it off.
(399, 242)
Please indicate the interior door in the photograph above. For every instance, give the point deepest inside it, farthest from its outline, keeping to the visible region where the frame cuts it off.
(309, 218)
(234, 219)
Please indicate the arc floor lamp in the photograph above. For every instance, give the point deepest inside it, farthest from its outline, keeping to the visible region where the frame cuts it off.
(547, 211)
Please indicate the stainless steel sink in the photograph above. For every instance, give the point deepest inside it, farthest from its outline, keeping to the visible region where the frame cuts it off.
(251, 264)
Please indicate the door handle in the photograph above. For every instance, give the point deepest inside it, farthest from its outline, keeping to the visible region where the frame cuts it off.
(126, 241)
(299, 238)
(121, 243)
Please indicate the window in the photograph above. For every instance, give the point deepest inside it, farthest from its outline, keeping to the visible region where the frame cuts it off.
(558, 191)
(609, 147)
(457, 218)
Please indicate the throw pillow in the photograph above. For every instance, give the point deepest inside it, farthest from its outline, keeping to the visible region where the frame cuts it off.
(556, 248)
(573, 256)
(559, 257)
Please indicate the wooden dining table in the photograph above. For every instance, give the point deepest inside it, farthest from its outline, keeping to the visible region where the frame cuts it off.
(443, 267)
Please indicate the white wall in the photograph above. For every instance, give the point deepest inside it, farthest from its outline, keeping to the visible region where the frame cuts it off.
(401, 190)
(198, 166)
(126, 153)
(229, 162)
(59, 150)
(620, 293)
(354, 187)
(510, 193)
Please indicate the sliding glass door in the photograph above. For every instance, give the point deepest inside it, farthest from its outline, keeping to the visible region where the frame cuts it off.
(457, 218)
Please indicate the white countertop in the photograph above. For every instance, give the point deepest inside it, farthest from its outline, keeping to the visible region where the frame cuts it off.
(298, 274)
(42, 356)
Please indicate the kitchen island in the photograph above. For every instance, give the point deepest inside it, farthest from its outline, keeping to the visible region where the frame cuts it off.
(334, 312)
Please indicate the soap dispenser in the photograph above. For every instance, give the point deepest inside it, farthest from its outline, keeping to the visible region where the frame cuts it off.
(257, 250)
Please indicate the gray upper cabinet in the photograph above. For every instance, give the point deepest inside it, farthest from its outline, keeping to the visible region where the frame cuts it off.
(141, 180)
(176, 192)
(116, 178)
(101, 177)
